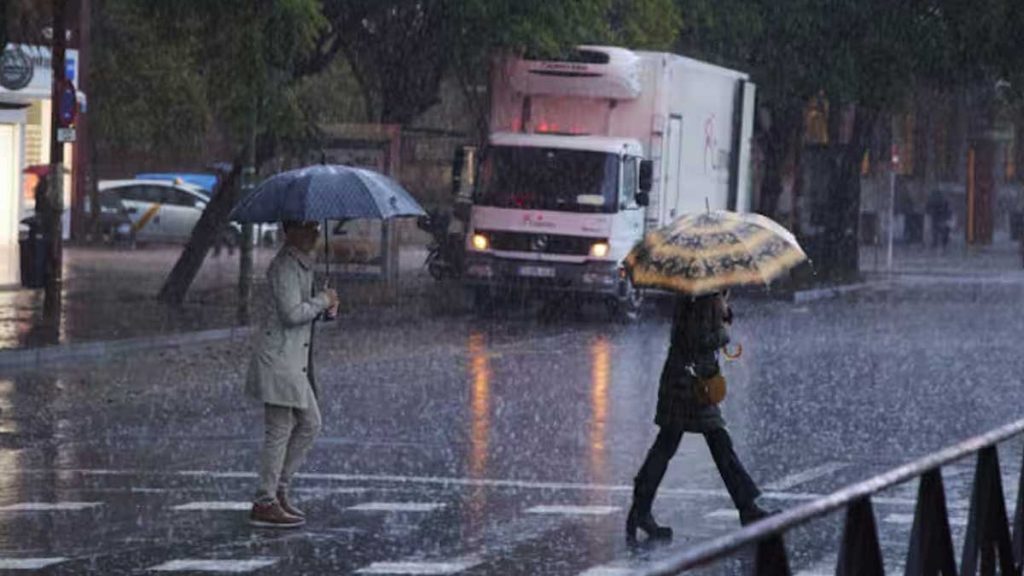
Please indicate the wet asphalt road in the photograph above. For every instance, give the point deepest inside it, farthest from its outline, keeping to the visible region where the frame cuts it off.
(505, 446)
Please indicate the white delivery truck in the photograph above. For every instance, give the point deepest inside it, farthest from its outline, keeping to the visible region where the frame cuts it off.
(588, 153)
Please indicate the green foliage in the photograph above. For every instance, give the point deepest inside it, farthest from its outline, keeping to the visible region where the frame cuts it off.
(645, 24)
(168, 70)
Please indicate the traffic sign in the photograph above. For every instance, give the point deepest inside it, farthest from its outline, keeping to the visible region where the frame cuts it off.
(68, 104)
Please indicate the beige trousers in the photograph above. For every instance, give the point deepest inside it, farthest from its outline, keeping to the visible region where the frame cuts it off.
(288, 436)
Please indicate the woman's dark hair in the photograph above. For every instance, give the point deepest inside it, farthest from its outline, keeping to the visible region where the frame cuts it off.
(698, 321)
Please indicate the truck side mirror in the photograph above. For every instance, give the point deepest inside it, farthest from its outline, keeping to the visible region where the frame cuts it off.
(458, 162)
(643, 199)
(646, 176)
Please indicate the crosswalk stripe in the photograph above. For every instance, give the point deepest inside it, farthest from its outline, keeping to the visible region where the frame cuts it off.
(397, 507)
(574, 510)
(452, 481)
(909, 519)
(787, 482)
(608, 571)
(418, 568)
(204, 565)
(214, 506)
(29, 563)
(49, 506)
(724, 514)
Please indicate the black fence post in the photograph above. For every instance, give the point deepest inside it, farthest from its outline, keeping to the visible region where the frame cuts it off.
(860, 554)
(771, 558)
(988, 529)
(931, 544)
(1018, 525)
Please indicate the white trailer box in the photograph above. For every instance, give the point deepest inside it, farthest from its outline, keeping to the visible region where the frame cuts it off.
(558, 201)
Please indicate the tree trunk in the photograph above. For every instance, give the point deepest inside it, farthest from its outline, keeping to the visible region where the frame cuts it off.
(779, 139)
(211, 224)
(839, 255)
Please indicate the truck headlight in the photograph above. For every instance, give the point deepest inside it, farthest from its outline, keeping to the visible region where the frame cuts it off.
(480, 242)
(599, 250)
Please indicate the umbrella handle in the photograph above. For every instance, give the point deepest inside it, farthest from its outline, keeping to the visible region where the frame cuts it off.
(735, 354)
(327, 256)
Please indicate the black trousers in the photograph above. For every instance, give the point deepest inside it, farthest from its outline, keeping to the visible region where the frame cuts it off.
(738, 482)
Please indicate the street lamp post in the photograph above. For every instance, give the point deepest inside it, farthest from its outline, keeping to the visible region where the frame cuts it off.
(49, 206)
(894, 166)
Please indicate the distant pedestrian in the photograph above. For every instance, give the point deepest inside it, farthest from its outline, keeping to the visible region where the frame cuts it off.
(1020, 247)
(940, 213)
(685, 405)
(281, 374)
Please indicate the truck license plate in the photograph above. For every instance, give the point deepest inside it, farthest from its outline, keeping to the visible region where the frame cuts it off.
(537, 271)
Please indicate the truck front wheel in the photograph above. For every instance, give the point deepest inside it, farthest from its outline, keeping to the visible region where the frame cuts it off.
(627, 306)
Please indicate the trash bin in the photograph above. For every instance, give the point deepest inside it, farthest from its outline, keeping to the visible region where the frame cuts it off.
(1016, 225)
(33, 255)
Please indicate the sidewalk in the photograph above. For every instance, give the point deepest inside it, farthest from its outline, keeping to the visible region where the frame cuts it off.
(110, 294)
(957, 259)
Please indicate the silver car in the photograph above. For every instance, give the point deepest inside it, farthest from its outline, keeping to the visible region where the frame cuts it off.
(162, 211)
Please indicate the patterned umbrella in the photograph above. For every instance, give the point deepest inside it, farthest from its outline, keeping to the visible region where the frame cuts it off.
(706, 253)
(326, 192)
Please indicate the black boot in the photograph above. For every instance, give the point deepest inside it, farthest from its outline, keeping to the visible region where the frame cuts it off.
(753, 512)
(640, 517)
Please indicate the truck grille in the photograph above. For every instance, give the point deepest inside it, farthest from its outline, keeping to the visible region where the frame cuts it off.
(543, 243)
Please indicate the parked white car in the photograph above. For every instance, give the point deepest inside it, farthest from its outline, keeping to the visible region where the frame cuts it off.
(165, 211)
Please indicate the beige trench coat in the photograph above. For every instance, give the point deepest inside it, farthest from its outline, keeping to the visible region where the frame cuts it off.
(279, 370)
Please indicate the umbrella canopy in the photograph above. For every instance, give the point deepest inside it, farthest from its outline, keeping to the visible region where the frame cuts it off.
(706, 253)
(326, 192)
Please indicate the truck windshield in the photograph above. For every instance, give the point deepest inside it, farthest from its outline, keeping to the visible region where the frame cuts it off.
(549, 179)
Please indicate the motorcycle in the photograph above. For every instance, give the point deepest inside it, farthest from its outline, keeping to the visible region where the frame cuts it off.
(446, 251)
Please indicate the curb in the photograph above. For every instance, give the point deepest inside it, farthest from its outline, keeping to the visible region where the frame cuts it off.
(36, 357)
(803, 296)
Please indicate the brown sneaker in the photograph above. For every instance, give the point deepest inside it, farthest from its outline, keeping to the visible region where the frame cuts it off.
(286, 505)
(271, 515)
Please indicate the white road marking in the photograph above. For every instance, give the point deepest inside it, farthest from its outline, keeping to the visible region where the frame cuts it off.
(908, 519)
(724, 514)
(200, 565)
(397, 507)
(419, 568)
(29, 563)
(608, 571)
(214, 506)
(787, 482)
(49, 506)
(314, 491)
(450, 481)
(574, 510)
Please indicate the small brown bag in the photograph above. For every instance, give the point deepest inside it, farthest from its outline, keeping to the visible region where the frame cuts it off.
(711, 390)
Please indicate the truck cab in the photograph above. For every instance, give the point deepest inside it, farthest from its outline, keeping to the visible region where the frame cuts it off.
(556, 213)
(588, 153)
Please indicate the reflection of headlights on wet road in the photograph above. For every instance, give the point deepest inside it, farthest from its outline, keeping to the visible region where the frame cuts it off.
(480, 242)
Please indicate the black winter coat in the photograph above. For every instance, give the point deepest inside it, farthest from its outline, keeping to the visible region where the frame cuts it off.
(698, 332)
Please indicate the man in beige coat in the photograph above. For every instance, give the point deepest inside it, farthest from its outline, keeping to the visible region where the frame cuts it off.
(280, 374)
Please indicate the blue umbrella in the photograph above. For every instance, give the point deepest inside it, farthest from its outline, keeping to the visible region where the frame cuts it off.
(326, 192)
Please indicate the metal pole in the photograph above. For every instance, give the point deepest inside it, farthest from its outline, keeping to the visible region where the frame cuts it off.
(53, 200)
(892, 218)
(246, 267)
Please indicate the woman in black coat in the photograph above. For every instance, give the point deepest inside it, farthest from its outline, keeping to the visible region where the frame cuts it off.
(698, 333)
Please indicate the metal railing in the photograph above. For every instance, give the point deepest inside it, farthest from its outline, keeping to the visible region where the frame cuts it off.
(988, 544)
